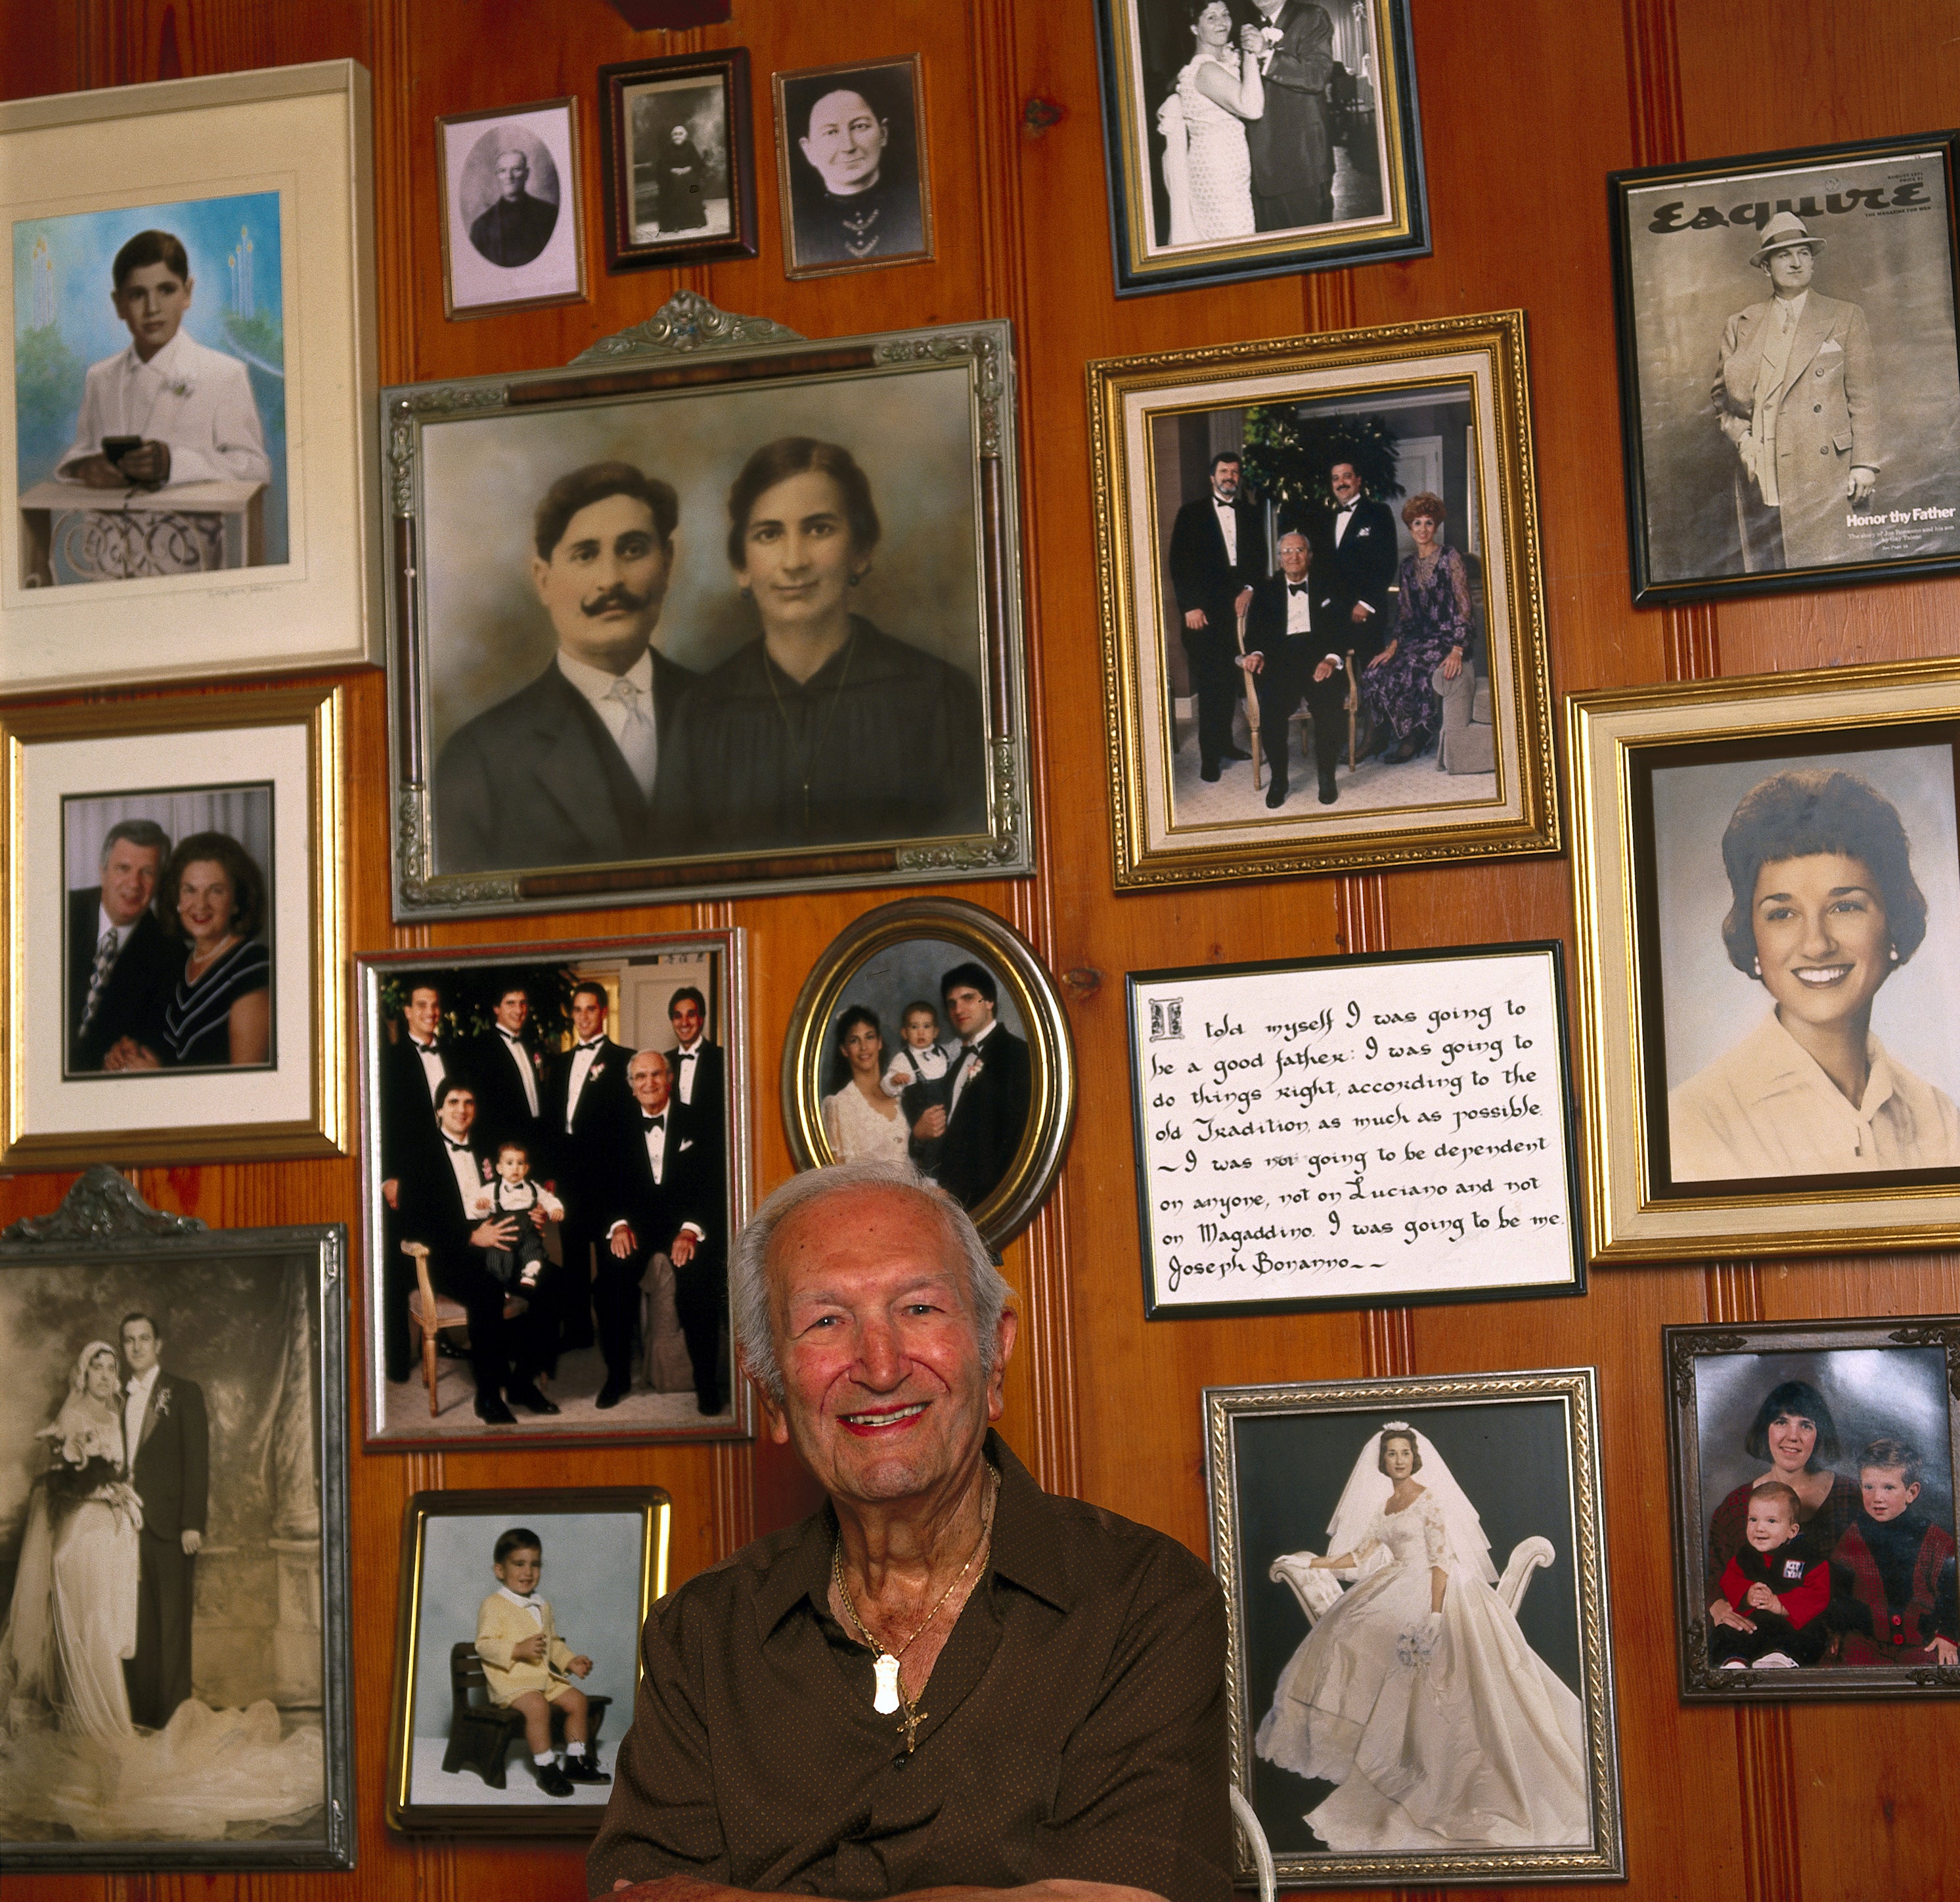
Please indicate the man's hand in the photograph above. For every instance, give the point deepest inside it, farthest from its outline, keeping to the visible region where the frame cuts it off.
(1325, 670)
(1195, 619)
(932, 1124)
(391, 1192)
(621, 1241)
(1382, 658)
(1251, 662)
(501, 1233)
(1242, 601)
(191, 1542)
(580, 1666)
(680, 1251)
(1860, 487)
(1359, 613)
(530, 1650)
(1722, 1612)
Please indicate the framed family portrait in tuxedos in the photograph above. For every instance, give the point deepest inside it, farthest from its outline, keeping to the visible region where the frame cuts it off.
(174, 1662)
(1790, 368)
(555, 1143)
(931, 1030)
(1252, 138)
(1323, 617)
(174, 914)
(519, 1626)
(1767, 871)
(717, 610)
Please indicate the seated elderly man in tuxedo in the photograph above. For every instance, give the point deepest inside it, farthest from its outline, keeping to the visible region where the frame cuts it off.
(1295, 637)
(436, 1209)
(945, 1679)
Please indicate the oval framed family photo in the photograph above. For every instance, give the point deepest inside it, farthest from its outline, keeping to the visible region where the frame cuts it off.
(930, 1028)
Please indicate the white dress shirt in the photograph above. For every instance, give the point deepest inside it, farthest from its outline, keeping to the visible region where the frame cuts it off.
(463, 1166)
(1228, 525)
(582, 1058)
(685, 1065)
(966, 1069)
(522, 1058)
(523, 1604)
(104, 924)
(629, 715)
(433, 1068)
(198, 402)
(140, 1388)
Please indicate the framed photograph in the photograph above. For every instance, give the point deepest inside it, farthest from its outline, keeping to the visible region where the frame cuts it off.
(931, 1029)
(543, 1265)
(189, 485)
(680, 160)
(1767, 872)
(1340, 531)
(1421, 1678)
(174, 930)
(610, 691)
(1812, 1464)
(173, 1620)
(1254, 140)
(1329, 1132)
(1790, 371)
(513, 222)
(476, 1702)
(851, 155)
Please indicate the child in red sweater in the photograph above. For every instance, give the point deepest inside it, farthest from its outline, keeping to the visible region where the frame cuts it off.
(1772, 1597)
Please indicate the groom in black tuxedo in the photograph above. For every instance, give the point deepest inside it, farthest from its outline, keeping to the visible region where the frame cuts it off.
(989, 1084)
(167, 1444)
(1290, 143)
(1296, 638)
(1217, 551)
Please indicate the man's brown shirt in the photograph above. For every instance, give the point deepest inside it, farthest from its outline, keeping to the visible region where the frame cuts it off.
(1073, 1726)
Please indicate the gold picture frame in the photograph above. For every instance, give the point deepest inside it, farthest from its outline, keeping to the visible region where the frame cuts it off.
(1657, 780)
(68, 774)
(1441, 407)
(872, 955)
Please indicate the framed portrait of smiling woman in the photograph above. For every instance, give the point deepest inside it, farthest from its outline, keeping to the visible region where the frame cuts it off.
(1768, 877)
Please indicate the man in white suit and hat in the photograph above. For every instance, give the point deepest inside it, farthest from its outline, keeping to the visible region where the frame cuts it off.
(1793, 393)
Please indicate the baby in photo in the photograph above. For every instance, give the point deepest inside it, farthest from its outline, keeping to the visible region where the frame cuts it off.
(528, 1668)
(512, 1192)
(1892, 1575)
(1776, 1596)
(918, 1074)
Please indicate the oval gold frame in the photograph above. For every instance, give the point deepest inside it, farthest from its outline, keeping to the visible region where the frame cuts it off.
(992, 941)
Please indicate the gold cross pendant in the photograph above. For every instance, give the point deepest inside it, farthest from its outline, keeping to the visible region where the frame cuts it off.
(909, 1724)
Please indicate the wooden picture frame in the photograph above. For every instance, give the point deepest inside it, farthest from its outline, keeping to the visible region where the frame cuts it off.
(1001, 1158)
(1693, 1147)
(1841, 476)
(1512, 1462)
(201, 1087)
(1440, 408)
(243, 1497)
(1315, 1132)
(504, 250)
(450, 1762)
(259, 553)
(1347, 80)
(1806, 1399)
(510, 796)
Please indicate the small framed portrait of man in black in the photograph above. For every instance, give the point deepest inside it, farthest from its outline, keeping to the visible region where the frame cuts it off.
(930, 1031)
(680, 160)
(850, 152)
(512, 234)
(1789, 373)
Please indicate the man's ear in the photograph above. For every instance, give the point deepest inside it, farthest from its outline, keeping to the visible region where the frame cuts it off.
(540, 569)
(1005, 1334)
(775, 1421)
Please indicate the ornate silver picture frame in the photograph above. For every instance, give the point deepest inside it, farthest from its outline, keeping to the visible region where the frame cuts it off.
(716, 610)
(175, 1687)
(1387, 1728)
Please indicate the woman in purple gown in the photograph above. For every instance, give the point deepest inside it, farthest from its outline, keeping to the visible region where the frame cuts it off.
(1432, 629)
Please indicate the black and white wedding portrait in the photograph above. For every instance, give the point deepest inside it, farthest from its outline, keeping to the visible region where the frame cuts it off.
(511, 220)
(168, 959)
(163, 1676)
(850, 146)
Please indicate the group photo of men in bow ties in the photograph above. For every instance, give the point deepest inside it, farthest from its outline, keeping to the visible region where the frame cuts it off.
(1322, 609)
(555, 1137)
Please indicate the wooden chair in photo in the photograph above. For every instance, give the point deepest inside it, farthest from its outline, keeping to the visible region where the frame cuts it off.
(431, 1314)
(480, 1734)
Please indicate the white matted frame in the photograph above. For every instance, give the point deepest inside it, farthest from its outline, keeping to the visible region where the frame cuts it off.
(302, 132)
(297, 1105)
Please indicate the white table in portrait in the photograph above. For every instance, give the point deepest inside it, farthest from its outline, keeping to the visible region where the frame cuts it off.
(174, 530)
(1443, 1732)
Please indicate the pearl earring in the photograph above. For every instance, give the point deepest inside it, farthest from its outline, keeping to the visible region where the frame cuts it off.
(1893, 954)
(1756, 967)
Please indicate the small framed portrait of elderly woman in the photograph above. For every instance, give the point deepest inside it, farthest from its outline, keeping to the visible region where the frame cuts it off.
(1770, 869)
(1813, 1471)
(1790, 368)
(1420, 1683)
(175, 1671)
(174, 931)
(1323, 626)
(1252, 138)
(851, 154)
(713, 611)
(517, 1654)
(930, 1031)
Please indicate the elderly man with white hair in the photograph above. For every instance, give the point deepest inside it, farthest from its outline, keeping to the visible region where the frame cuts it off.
(945, 1678)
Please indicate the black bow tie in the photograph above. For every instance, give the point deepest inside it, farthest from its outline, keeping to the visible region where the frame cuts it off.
(509, 1036)
(1296, 587)
(428, 1049)
(1342, 508)
(593, 1045)
(654, 1122)
(463, 1148)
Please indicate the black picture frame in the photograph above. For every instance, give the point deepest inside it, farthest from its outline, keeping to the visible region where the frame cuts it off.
(1697, 526)
(628, 84)
(1894, 1377)
(1137, 54)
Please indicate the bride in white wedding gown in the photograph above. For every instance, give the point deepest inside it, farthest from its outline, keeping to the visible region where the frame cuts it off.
(1415, 1692)
(69, 1754)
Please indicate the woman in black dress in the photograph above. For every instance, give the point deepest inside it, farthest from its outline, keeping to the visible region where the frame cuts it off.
(212, 897)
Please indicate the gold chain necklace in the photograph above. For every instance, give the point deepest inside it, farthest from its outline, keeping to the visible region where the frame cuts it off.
(891, 1690)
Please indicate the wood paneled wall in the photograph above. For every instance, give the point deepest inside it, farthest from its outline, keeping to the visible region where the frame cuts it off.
(1526, 105)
